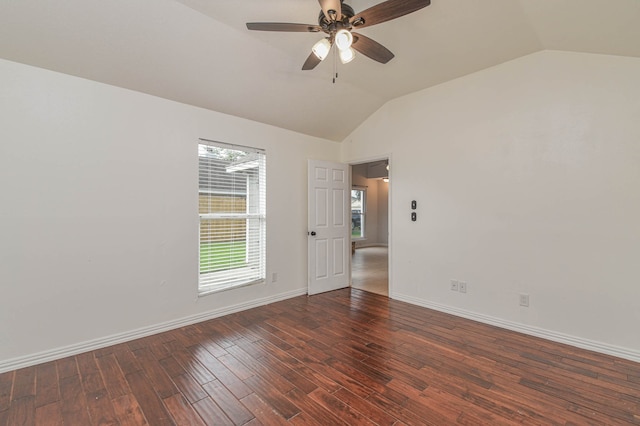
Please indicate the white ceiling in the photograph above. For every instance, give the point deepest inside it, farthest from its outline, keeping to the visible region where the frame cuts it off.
(199, 52)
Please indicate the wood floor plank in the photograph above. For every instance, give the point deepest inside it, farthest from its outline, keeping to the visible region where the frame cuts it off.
(233, 409)
(373, 412)
(236, 367)
(396, 410)
(190, 388)
(159, 378)
(275, 399)
(99, 404)
(22, 411)
(299, 367)
(262, 411)
(211, 413)
(24, 383)
(112, 376)
(4, 417)
(182, 412)
(195, 364)
(101, 410)
(343, 380)
(342, 357)
(47, 386)
(343, 411)
(370, 371)
(90, 376)
(152, 406)
(273, 365)
(126, 360)
(221, 334)
(304, 419)
(313, 409)
(73, 401)
(172, 367)
(279, 338)
(208, 341)
(6, 385)
(48, 415)
(67, 367)
(217, 370)
(403, 372)
(276, 380)
(128, 411)
(158, 348)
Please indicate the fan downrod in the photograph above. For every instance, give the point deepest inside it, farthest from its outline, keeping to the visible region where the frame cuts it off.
(331, 26)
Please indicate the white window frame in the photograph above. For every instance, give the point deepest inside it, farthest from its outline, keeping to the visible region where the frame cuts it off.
(253, 270)
(363, 212)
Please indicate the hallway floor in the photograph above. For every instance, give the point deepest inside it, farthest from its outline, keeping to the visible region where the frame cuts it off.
(370, 270)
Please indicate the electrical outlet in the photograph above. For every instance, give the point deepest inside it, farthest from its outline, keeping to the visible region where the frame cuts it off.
(274, 277)
(454, 285)
(463, 286)
(524, 300)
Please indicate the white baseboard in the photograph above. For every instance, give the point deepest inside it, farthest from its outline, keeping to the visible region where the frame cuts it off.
(371, 245)
(90, 345)
(62, 352)
(554, 336)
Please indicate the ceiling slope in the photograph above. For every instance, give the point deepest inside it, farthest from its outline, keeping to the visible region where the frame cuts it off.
(199, 52)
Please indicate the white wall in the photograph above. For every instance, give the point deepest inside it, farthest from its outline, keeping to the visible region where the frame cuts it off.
(98, 213)
(527, 177)
(383, 212)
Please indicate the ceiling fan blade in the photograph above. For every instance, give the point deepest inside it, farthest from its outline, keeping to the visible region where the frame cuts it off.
(386, 11)
(283, 26)
(328, 5)
(371, 48)
(311, 62)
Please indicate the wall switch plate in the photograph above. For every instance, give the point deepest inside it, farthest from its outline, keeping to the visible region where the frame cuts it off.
(274, 277)
(454, 285)
(524, 300)
(462, 286)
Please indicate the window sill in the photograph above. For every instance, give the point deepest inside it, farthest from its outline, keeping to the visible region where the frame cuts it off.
(205, 291)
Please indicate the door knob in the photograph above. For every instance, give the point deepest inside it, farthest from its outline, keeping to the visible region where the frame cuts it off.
(313, 233)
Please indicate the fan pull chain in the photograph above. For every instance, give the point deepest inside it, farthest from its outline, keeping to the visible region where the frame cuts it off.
(335, 65)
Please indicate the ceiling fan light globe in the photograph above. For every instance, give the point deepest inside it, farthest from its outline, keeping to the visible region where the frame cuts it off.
(347, 55)
(344, 39)
(321, 49)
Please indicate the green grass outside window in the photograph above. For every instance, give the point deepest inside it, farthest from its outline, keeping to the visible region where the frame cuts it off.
(221, 256)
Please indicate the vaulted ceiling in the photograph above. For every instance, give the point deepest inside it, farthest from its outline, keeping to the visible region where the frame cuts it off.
(199, 52)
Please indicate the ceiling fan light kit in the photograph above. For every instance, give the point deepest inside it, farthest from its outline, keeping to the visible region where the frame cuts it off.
(344, 39)
(337, 20)
(347, 55)
(321, 48)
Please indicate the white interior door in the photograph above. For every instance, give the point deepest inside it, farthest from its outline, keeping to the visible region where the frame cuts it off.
(329, 226)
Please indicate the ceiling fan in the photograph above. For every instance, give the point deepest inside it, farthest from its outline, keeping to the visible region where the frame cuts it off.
(337, 20)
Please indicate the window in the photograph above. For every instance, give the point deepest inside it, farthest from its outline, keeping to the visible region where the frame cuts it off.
(232, 207)
(357, 213)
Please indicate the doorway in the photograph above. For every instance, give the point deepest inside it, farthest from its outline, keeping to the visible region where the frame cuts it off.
(370, 226)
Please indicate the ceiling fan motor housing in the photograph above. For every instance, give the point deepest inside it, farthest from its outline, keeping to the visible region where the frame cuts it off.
(342, 22)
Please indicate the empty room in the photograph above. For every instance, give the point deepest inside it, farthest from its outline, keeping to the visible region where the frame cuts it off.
(187, 198)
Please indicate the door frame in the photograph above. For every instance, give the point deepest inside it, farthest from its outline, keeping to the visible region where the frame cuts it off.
(373, 159)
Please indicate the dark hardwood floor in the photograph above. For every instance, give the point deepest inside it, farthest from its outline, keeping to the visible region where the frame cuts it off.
(345, 357)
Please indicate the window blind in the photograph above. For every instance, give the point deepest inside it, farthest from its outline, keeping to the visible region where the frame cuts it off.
(232, 210)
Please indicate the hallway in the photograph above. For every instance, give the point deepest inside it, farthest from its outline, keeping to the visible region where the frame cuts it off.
(370, 270)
